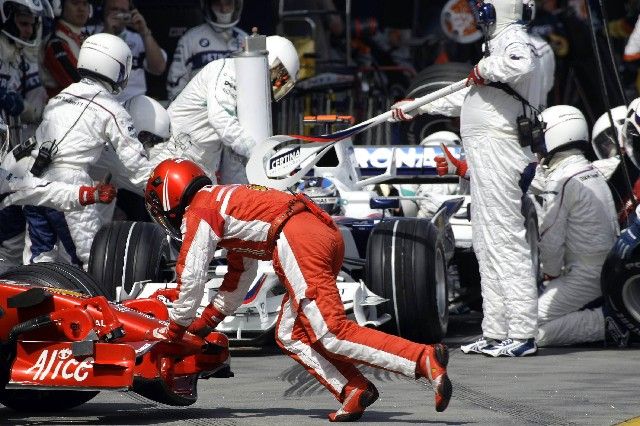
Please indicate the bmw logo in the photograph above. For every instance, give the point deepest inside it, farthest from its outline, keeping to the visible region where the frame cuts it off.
(36, 3)
(204, 42)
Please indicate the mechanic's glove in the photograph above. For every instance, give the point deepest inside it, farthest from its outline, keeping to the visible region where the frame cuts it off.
(398, 115)
(474, 78)
(450, 165)
(101, 193)
(628, 241)
(207, 322)
(11, 102)
(171, 294)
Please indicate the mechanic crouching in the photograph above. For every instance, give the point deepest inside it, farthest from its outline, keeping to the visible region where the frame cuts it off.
(253, 222)
(578, 227)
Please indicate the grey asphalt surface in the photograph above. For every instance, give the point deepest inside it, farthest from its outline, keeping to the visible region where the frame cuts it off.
(578, 385)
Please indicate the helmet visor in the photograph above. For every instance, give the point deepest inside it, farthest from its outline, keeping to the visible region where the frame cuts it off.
(23, 24)
(159, 216)
(632, 142)
(224, 13)
(281, 81)
(604, 144)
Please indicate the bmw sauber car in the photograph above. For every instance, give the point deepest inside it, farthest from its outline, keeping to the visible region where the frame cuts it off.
(395, 274)
(62, 342)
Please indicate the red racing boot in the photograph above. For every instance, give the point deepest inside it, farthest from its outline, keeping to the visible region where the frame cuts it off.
(354, 400)
(432, 365)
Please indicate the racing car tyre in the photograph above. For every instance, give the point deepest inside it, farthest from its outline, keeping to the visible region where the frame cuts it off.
(58, 275)
(125, 252)
(620, 281)
(406, 264)
(429, 80)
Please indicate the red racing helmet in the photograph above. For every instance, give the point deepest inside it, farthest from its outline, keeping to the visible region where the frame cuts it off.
(170, 189)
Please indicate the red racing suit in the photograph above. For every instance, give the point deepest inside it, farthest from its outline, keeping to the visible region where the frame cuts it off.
(307, 250)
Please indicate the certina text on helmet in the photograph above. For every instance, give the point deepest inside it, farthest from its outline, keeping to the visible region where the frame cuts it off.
(27, 12)
(107, 58)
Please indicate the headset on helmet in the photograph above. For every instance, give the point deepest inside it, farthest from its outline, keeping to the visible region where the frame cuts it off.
(604, 137)
(565, 128)
(10, 8)
(221, 20)
(170, 189)
(284, 65)
(323, 192)
(107, 58)
(151, 120)
(493, 16)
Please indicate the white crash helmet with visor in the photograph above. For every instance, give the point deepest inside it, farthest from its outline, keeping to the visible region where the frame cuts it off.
(221, 14)
(564, 128)
(151, 120)
(284, 65)
(605, 137)
(493, 16)
(31, 11)
(107, 58)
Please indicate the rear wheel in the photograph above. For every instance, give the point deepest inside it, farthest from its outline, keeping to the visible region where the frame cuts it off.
(57, 275)
(620, 282)
(406, 264)
(430, 79)
(125, 252)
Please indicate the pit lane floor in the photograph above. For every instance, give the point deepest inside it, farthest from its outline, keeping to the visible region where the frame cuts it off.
(579, 385)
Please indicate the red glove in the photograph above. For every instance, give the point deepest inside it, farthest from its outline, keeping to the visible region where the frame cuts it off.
(450, 165)
(474, 78)
(397, 114)
(101, 193)
(207, 322)
(173, 332)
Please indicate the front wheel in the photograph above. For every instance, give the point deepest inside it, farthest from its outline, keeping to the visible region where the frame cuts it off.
(406, 264)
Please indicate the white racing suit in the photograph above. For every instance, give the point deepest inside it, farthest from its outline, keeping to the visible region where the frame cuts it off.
(500, 171)
(196, 48)
(205, 126)
(83, 120)
(19, 73)
(18, 187)
(578, 228)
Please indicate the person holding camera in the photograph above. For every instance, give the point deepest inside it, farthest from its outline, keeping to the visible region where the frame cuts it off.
(504, 87)
(121, 18)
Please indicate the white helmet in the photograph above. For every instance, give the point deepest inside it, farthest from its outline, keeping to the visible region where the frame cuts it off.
(8, 11)
(631, 132)
(445, 137)
(106, 57)
(220, 20)
(507, 12)
(565, 127)
(604, 136)
(284, 65)
(151, 120)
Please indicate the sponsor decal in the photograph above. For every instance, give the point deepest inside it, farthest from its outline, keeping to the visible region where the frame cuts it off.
(65, 292)
(204, 42)
(257, 187)
(60, 363)
(283, 161)
(458, 23)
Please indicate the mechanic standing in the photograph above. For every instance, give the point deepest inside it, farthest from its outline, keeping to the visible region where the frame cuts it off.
(253, 222)
(217, 38)
(79, 124)
(204, 114)
(500, 170)
(578, 228)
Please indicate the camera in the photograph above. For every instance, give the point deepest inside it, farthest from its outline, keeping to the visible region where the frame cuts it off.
(124, 17)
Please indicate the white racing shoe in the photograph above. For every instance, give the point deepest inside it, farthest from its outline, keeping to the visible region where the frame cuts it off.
(512, 348)
(477, 346)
